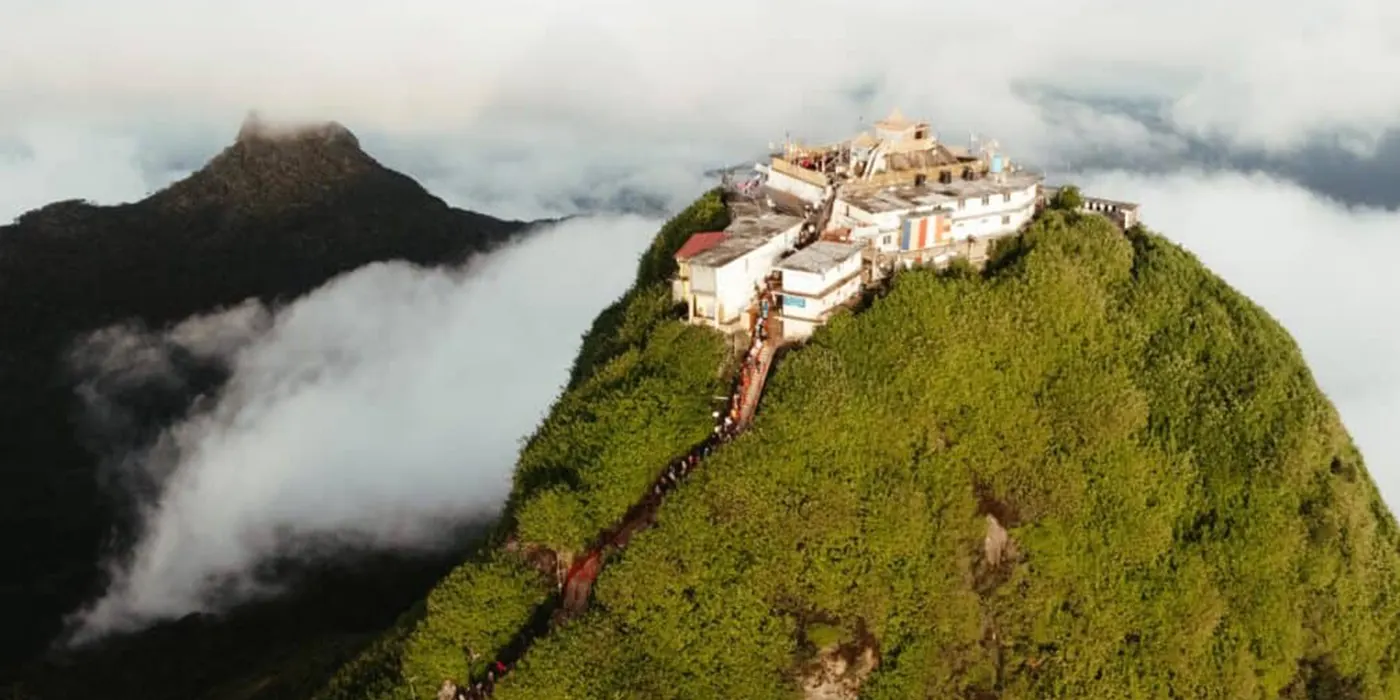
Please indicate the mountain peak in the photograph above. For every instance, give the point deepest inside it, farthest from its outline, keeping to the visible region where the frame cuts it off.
(256, 129)
(276, 165)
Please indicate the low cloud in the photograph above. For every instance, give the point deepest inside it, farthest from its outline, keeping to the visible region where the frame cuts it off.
(1322, 269)
(536, 108)
(41, 164)
(132, 380)
(381, 410)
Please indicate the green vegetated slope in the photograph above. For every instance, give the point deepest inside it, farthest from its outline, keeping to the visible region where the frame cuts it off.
(640, 394)
(1189, 517)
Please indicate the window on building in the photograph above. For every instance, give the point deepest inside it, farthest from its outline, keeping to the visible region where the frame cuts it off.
(1005, 219)
(962, 203)
(986, 200)
(889, 238)
(1006, 196)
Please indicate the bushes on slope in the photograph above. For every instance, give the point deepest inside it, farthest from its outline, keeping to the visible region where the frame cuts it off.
(639, 396)
(467, 619)
(628, 321)
(606, 440)
(1190, 516)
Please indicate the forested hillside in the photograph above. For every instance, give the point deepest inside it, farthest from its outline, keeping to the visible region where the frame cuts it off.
(1092, 470)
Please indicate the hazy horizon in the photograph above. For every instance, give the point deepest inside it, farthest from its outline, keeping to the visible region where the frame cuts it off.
(1265, 141)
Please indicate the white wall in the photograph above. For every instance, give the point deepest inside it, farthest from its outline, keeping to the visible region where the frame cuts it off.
(702, 279)
(801, 282)
(809, 308)
(798, 329)
(998, 216)
(734, 282)
(704, 306)
(848, 214)
(813, 283)
(882, 240)
(812, 307)
(907, 262)
(786, 183)
(992, 221)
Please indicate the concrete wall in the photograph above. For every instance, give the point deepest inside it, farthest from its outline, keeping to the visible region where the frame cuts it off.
(1121, 214)
(813, 283)
(998, 215)
(882, 240)
(817, 308)
(702, 306)
(734, 283)
(702, 279)
(796, 180)
(795, 187)
(996, 222)
(796, 329)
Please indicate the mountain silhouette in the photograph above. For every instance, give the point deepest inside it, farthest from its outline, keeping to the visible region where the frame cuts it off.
(273, 216)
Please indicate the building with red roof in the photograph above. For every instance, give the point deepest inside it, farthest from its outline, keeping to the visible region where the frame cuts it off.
(700, 243)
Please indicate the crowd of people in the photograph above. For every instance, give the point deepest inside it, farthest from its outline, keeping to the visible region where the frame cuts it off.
(477, 691)
(727, 418)
(727, 421)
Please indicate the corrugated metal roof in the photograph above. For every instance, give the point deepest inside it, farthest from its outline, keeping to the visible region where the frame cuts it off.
(700, 243)
(730, 249)
(820, 256)
(743, 236)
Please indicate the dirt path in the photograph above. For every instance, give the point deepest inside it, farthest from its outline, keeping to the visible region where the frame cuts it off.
(578, 583)
(730, 422)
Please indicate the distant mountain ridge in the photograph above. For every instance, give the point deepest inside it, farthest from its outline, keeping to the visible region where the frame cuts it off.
(276, 214)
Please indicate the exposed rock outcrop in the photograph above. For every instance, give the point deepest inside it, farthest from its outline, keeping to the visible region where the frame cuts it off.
(838, 673)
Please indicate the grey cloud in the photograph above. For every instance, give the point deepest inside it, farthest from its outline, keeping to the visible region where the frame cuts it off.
(131, 379)
(668, 90)
(380, 410)
(222, 334)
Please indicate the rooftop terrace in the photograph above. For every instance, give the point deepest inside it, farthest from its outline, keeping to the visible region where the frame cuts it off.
(819, 257)
(902, 197)
(743, 236)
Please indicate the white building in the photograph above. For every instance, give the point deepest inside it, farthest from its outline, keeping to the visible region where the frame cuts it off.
(815, 282)
(1124, 214)
(721, 271)
(807, 185)
(914, 219)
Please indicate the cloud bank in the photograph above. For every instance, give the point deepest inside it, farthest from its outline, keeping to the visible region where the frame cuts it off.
(538, 108)
(380, 410)
(1261, 75)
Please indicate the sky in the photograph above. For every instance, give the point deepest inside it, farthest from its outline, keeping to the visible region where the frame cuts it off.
(1264, 140)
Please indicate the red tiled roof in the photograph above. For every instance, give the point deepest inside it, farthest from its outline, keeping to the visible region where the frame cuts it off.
(700, 243)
